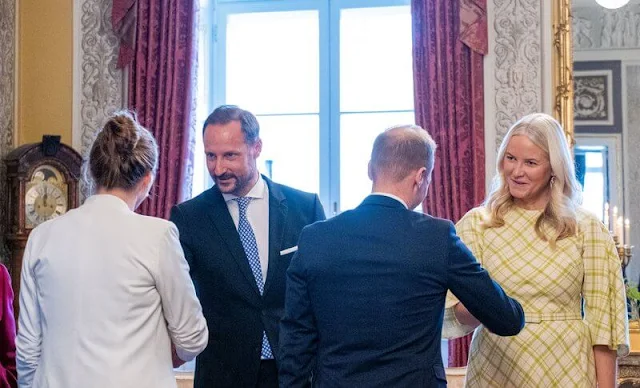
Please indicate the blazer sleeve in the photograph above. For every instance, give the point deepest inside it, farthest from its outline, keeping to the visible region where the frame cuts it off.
(298, 331)
(8, 375)
(182, 310)
(482, 296)
(470, 232)
(29, 340)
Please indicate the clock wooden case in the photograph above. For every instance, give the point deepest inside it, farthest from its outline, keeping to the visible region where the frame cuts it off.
(42, 183)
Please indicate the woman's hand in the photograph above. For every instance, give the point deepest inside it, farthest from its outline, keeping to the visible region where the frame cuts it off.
(464, 316)
(606, 366)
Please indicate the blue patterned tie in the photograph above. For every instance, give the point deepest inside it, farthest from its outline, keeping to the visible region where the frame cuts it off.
(248, 239)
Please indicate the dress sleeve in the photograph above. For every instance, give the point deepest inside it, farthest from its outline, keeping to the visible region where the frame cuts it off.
(470, 232)
(603, 289)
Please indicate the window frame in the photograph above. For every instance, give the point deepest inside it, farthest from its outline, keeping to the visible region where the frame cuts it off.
(612, 164)
(329, 77)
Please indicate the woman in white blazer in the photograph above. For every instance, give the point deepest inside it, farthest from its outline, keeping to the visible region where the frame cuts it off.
(106, 299)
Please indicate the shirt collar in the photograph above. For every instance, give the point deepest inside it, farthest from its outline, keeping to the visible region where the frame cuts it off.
(257, 191)
(393, 197)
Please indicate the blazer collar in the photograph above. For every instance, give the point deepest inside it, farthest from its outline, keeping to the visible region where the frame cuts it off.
(382, 200)
(108, 201)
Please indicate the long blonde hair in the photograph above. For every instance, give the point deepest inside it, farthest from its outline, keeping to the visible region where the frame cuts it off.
(558, 220)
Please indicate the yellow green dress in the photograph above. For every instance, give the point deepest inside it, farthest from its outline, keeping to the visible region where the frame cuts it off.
(555, 347)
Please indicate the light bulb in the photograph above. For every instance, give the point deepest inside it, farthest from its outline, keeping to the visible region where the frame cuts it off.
(612, 4)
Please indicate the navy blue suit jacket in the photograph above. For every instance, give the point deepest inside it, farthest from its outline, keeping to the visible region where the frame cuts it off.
(236, 314)
(365, 299)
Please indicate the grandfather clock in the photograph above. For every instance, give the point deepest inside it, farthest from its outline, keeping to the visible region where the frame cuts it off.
(42, 183)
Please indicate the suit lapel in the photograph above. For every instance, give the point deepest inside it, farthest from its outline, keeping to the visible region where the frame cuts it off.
(219, 214)
(277, 215)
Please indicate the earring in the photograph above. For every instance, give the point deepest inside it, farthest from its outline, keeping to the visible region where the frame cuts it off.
(553, 179)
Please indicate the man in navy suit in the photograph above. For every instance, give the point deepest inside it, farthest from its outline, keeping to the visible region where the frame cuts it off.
(366, 290)
(239, 237)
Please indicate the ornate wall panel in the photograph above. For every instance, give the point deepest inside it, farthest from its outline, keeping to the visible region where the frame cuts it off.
(7, 98)
(102, 88)
(600, 28)
(631, 145)
(518, 61)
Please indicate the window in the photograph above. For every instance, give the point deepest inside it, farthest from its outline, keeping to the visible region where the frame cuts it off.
(598, 159)
(323, 77)
(592, 175)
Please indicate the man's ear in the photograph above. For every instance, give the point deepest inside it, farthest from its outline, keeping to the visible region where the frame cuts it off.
(370, 170)
(421, 176)
(257, 148)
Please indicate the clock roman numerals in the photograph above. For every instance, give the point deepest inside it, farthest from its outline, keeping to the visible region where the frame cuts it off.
(44, 201)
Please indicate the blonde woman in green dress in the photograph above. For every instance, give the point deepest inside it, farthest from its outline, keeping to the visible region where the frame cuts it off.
(552, 256)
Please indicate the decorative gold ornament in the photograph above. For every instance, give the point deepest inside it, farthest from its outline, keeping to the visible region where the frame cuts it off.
(563, 67)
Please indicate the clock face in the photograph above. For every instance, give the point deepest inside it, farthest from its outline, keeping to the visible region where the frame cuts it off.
(46, 196)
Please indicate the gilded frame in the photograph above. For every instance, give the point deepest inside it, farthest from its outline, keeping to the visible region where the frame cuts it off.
(563, 67)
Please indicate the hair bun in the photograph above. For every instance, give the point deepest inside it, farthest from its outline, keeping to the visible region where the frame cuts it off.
(122, 131)
(122, 153)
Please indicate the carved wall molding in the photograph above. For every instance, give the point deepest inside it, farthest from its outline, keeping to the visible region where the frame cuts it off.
(102, 86)
(518, 61)
(632, 162)
(601, 28)
(7, 102)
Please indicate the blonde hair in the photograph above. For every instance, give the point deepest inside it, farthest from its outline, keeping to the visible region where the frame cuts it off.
(558, 219)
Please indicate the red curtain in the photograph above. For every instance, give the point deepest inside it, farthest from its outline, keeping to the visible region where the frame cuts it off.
(161, 88)
(449, 41)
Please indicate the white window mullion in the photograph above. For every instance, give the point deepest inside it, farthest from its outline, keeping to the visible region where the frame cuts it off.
(334, 107)
(326, 90)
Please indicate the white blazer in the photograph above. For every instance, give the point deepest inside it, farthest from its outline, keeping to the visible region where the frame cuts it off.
(104, 293)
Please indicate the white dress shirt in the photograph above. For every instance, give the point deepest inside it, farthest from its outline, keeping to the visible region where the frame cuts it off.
(104, 294)
(258, 216)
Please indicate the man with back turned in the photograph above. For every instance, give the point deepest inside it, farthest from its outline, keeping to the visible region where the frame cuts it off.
(366, 289)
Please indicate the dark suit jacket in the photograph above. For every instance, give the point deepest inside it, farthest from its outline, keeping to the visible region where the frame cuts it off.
(8, 376)
(365, 299)
(235, 312)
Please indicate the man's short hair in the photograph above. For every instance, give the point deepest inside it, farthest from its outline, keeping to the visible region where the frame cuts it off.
(400, 150)
(224, 114)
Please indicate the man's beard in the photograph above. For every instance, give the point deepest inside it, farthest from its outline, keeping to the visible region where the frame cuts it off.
(240, 184)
